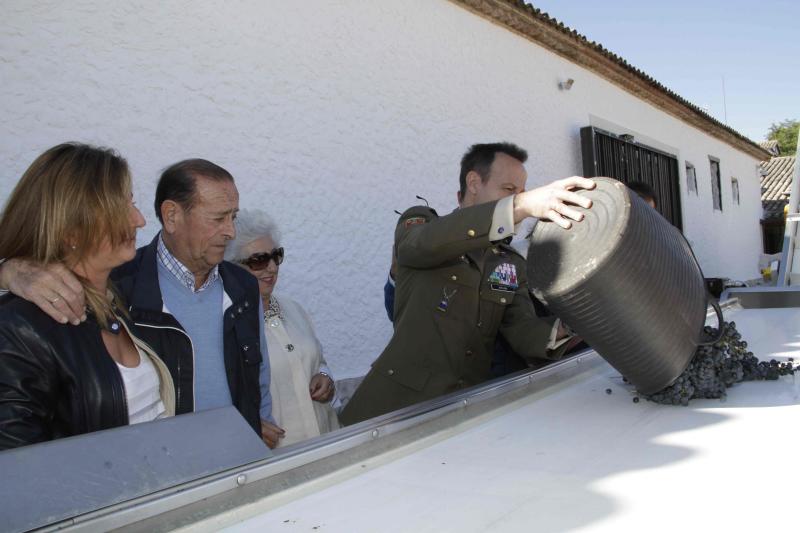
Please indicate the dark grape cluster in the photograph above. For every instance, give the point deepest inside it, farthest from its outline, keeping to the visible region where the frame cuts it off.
(715, 368)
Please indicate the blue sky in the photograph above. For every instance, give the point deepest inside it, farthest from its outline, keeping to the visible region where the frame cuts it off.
(690, 46)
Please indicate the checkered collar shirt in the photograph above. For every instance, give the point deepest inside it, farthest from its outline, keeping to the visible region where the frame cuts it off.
(181, 273)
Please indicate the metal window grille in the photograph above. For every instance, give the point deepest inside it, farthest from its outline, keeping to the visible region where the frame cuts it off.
(716, 184)
(735, 191)
(620, 157)
(691, 178)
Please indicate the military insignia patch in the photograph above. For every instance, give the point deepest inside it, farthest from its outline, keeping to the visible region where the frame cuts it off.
(502, 288)
(505, 275)
(407, 223)
(445, 301)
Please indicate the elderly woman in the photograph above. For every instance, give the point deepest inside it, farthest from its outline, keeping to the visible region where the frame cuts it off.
(301, 384)
(74, 206)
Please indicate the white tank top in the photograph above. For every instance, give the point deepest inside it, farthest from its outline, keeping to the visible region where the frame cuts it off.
(142, 390)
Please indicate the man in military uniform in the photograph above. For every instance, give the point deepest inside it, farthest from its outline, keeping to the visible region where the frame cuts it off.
(459, 284)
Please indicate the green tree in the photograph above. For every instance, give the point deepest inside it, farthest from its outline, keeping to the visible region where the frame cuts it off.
(786, 134)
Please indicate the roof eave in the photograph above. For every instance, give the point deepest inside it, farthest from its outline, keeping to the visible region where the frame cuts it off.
(538, 27)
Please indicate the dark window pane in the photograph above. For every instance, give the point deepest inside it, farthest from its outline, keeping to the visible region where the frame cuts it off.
(716, 185)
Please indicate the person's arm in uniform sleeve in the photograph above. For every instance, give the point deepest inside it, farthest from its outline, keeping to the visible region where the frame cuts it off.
(264, 370)
(425, 240)
(27, 379)
(503, 225)
(530, 336)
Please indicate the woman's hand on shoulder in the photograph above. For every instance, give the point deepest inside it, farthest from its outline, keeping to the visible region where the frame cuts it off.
(321, 388)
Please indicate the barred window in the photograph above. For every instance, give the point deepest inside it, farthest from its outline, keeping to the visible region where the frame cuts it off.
(716, 184)
(691, 178)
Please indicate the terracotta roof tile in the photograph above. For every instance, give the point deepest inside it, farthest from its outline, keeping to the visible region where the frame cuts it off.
(770, 146)
(776, 182)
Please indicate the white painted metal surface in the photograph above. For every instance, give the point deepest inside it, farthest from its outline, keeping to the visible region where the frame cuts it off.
(331, 115)
(573, 458)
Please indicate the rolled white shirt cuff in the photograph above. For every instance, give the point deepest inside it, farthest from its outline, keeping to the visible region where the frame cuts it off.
(553, 344)
(502, 220)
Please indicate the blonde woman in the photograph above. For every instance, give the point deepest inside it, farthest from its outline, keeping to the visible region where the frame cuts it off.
(301, 384)
(74, 206)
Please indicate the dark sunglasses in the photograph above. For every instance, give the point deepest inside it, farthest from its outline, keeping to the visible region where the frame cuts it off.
(261, 261)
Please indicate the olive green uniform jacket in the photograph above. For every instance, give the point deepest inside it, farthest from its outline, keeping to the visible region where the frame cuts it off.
(456, 291)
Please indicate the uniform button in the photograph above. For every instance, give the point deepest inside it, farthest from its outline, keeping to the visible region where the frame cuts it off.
(471, 233)
(469, 353)
(390, 372)
(246, 305)
(454, 278)
(461, 383)
(290, 347)
(240, 310)
(245, 347)
(273, 323)
(502, 300)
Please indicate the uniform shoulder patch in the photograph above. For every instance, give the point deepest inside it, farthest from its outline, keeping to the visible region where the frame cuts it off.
(413, 221)
(419, 214)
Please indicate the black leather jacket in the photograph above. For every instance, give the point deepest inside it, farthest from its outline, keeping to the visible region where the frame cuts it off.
(137, 282)
(56, 380)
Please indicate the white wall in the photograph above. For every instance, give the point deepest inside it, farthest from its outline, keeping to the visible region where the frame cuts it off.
(330, 115)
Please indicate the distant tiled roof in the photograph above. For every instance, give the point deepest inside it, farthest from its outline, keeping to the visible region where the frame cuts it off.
(539, 27)
(770, 146)
(776, 181)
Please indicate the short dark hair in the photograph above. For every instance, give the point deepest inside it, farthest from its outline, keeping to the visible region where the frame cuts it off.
(480, 157)
(644, 190)
(178, 182)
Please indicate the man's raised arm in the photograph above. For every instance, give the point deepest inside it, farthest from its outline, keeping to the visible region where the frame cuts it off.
(425, 240)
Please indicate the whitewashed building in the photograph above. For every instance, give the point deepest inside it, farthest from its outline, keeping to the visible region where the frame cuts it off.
(332, 115)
